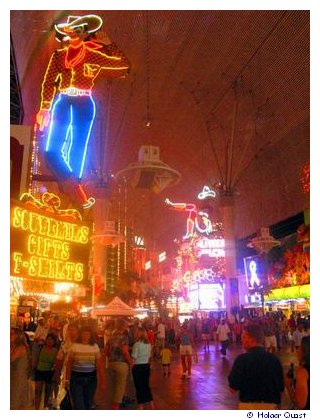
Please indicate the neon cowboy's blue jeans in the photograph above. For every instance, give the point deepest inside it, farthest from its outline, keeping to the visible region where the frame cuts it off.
(68, 136)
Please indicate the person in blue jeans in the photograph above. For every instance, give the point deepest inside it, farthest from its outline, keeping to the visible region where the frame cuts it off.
(85, 370)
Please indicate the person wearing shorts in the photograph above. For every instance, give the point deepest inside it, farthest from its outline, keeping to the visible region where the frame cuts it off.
(45, 370)
(205, 334)
(270, 341)
(186, 351)
(166, 355)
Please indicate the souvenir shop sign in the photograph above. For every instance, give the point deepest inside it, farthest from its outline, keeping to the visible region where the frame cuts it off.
(47, 247)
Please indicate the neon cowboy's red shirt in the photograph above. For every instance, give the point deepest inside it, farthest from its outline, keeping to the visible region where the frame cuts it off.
(62, 74)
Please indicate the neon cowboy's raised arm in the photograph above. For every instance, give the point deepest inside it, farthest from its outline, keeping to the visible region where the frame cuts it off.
(114, 62)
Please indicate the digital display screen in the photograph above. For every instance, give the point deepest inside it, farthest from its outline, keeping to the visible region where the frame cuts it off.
(255, 298)
(207, 296)
(254, 272)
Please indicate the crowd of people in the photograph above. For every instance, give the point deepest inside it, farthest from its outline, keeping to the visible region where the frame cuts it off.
(78, 357)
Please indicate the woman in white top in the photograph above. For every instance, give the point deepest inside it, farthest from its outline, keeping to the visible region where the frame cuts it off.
(141, 353)
(85, 370)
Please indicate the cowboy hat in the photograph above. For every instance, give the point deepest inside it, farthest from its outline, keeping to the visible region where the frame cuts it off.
(93, 23)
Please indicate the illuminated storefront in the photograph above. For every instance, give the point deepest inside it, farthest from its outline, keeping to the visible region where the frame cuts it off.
(280, 280)
(295, 298)
(49, 249)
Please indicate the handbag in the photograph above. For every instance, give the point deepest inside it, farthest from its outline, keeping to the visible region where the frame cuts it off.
(66, 403)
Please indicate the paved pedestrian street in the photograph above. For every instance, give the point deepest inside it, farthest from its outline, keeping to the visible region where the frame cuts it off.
(207, 389)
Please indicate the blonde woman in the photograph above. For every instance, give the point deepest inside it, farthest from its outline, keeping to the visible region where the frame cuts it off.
(141, 354)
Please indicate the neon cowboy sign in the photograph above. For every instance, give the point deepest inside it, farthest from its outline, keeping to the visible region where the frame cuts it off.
(67, 110)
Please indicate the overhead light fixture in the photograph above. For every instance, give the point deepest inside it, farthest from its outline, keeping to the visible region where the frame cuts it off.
(264, 242)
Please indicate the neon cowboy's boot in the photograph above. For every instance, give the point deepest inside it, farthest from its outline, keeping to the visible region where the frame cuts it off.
(76, 192)
(87, 202)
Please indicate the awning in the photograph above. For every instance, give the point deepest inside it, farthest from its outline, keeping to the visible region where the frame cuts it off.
(115, 308)
(286, 293)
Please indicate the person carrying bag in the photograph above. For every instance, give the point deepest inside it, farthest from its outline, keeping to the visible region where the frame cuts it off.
(66, 403)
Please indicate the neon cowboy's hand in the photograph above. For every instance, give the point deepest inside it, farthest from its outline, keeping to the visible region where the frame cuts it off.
(43, 118)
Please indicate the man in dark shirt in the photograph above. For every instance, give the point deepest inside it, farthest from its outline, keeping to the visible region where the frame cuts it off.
(256, 374)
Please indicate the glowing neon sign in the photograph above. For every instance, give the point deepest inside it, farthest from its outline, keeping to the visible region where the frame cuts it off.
(66, 288)
(16, 288)
(205, 225)
(199, 276)
(206, 193)
(50, 203)
(39, 224)
(195, 219)
(253, 269)
(67, 107)
(210, 247)
(139, 241)
(91, 22)
(162, 256)
(44, 247)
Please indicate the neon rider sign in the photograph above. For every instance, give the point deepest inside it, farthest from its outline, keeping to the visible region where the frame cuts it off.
(196, 219)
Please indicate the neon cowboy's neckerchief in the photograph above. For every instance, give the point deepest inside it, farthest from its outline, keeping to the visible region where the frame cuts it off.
(76, 54)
